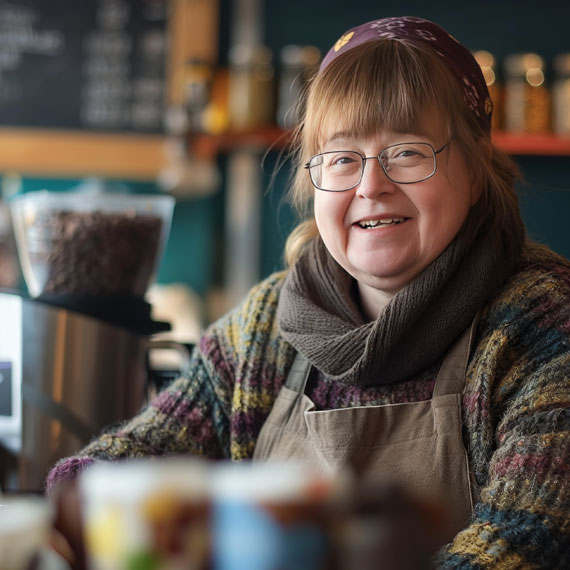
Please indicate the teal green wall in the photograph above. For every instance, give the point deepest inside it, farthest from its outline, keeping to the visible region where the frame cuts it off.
(545, 200)
(278, 217)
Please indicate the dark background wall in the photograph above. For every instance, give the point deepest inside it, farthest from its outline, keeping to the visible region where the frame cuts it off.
(500, 26)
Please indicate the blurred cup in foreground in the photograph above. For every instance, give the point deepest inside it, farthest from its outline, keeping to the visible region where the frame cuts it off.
(148, 514)
(270, 515)
(25, 523)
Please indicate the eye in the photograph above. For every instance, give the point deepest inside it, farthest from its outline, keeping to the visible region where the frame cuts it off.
(343, 162)
(405, 153)
(343, 158)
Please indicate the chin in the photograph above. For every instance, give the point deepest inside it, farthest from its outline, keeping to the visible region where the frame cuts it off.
(384, 278)
(382, 269)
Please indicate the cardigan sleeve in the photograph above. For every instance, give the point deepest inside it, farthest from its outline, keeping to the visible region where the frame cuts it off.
(206, 412)
(518, 417)
(187, 417)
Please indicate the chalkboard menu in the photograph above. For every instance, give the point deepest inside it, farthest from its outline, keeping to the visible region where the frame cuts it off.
(88, 64)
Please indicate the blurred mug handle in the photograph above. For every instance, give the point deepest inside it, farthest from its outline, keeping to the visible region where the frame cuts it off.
(67, 536)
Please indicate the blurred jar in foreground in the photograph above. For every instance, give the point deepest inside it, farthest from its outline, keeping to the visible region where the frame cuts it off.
(146, 514)
(251, 97)
(25, 524)
(527, 99)
(561, 95)
(271, 515)
(298, 65)
(486, 62)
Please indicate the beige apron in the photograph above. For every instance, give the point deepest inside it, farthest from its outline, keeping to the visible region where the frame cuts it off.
(417, 444)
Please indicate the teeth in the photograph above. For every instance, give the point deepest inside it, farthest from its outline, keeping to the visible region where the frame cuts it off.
(381, 222)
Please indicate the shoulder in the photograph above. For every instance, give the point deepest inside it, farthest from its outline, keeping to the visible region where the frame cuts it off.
(261, 299)
(252, 324)
(264, 296)
(244, 352)
(520, 366)
(258, 310)
(538, 292)
(526, 325)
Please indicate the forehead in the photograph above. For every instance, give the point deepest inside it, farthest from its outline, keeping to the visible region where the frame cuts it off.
(429, 125)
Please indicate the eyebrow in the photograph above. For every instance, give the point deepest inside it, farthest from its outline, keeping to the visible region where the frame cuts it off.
(339, 135)
(347, 135)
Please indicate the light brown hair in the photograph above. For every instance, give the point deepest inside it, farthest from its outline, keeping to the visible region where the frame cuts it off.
(392, 85)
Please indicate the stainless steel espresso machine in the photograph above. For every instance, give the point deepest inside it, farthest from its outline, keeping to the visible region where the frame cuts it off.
(74, 354)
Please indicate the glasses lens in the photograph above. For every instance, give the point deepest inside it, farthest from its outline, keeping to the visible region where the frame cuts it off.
(336, 171)
(407, 163)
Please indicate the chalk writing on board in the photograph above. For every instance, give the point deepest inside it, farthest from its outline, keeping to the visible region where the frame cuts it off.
(95, 64)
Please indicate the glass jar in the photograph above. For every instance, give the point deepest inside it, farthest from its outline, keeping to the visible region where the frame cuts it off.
(486, 62)
(251, 99)
(298, 65)
(9, 266)
(527, 98)
(561, 95)
(198, 77)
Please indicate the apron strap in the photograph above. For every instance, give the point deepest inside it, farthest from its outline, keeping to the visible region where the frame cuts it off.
(299, 373)
(451, 376)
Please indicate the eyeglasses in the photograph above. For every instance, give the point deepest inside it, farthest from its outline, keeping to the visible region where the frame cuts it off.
(403, 163)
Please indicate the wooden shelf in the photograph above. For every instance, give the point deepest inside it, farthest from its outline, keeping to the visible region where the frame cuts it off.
(540, 145)
(80, 154)
(208, 146)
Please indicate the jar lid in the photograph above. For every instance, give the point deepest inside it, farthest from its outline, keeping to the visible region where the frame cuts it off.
(296, 55)
(521, 63)
(486, 61)
(484, 58)
(244, 54)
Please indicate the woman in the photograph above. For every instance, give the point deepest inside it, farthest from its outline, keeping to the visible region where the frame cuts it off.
(410, 282)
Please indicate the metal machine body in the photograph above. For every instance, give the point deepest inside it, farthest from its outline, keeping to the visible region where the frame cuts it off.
(63, 377)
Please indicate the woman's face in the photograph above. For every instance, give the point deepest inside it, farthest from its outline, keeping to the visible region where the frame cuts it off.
(384, 258)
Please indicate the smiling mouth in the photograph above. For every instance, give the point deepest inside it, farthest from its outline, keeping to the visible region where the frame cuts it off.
(368, 224)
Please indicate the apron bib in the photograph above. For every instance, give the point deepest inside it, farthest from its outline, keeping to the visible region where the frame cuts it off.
(418, 445)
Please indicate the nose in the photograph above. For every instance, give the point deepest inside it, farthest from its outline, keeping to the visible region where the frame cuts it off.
(374, 180)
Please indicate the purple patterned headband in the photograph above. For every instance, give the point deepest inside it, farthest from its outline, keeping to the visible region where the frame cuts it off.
(459, 59)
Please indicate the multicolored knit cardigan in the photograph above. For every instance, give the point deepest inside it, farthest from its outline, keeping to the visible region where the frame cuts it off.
(516, 407)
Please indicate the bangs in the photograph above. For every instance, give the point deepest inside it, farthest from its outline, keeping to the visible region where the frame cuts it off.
(386, 85)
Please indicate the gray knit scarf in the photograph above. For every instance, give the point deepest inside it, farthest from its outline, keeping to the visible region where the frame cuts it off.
(319, 315)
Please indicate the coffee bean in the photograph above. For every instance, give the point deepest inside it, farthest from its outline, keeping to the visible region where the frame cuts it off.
(94, 252)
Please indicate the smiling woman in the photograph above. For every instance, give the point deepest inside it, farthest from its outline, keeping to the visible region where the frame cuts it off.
(411, 281)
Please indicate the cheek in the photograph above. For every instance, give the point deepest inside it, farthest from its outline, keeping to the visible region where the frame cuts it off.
(318, 208)
(442, 218)
(330, 210)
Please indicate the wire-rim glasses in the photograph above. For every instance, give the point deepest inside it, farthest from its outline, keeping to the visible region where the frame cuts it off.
(402, 163)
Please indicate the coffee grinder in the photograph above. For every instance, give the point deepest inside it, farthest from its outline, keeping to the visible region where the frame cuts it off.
(74, 352)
